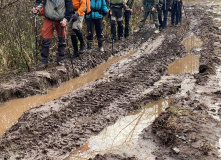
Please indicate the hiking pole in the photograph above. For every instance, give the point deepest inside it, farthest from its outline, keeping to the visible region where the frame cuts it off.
(184, 11)
(36, 40)
(112, 43)
(69, 53)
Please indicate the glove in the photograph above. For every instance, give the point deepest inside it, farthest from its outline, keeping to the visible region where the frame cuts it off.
(75, 17)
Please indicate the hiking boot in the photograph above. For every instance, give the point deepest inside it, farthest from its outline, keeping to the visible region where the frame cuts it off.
(121, 39)
(157, 31)
(137, 30)
(60, 63)
(75, 55)
(82, 48)
(42, 66)
(126, 37)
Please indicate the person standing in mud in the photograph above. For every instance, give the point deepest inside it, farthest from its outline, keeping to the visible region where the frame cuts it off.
(94, 18)
(116, 12)
(127, 14)
(56, 14)
(176, 11)
(166, 5)
(75, 26)
(149, 7)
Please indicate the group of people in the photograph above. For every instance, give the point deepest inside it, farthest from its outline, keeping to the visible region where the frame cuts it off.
(67, 16)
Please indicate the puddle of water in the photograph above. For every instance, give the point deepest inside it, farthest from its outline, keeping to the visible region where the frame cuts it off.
(189, 64)
(122, 137)
(12, 110)
(191, 42)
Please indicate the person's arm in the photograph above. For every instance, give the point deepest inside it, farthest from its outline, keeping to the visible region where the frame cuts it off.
(104, 6)
(82, 8)
(68, 10)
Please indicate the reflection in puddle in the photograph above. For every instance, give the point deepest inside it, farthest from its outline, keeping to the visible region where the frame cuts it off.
(12, 110)
(191, 42)
(122, 137)
(189, 64)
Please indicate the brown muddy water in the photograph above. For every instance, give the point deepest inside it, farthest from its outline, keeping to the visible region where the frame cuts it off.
(189, 64)
(122, 137)
(11, 111)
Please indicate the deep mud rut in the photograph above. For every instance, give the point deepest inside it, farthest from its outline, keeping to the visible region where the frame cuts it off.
(189, 129)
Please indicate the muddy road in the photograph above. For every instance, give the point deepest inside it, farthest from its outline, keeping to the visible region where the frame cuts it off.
(157, 96)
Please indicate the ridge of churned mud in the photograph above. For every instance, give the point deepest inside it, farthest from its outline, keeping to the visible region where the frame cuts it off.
(186, 130)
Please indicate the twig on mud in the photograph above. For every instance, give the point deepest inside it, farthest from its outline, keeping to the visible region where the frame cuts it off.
(138, 117)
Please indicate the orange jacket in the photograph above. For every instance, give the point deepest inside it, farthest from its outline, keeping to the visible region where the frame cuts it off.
(79, 6)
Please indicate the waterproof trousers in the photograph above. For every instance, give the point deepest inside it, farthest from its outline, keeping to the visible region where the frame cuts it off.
(176, 12)
(117, 15)
(47, 35)
(164, 10)
(127, 15)
(97, 23)
(145, 13)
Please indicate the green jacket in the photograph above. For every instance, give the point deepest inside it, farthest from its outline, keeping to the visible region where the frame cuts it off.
(130, 4)
(116, 3)
(154, 3)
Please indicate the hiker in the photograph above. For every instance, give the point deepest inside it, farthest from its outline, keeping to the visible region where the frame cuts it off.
(166, 5)
(127, 15)
(149, 7)
(176, 11)
(116, 12)
(75, 26)
(57, 14)
(94, 18)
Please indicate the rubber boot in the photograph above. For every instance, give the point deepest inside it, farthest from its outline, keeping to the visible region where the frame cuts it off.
(81, 39)
(89, 47)
(61, 50)
(75, 45)
(100, 46)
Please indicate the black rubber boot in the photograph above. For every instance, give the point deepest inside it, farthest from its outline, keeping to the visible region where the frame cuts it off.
(75, 45)
(100, 46)
(81, 39)
(89, 46)
(61, 50)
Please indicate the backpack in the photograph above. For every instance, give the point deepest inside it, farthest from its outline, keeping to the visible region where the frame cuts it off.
(53, 9)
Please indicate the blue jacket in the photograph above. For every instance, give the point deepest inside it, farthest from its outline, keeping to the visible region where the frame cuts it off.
(97, 7)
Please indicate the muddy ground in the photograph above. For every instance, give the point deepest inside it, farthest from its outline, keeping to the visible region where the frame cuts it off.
(189, 129)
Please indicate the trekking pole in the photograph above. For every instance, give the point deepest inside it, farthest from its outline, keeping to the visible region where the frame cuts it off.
(184, 11)
(112, 43)
(69, 53)
(36, 39)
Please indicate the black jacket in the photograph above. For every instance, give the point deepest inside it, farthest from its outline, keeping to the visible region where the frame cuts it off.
(68, 8)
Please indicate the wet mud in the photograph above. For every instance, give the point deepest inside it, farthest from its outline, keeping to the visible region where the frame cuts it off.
(189, 128)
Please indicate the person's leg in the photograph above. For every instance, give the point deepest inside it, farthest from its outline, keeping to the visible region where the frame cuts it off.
(113, 25)
(178, 13)
(74, 39)
(76, 27)
(127, 15)
(100, 37)
(90, 31)
(144, 15)
(61, 42)
(165, 14)
(46, 34)
(173, 14)
(160, 18)
(156, 21)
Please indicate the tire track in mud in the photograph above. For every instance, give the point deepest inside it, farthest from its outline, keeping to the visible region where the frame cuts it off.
(53, 130)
